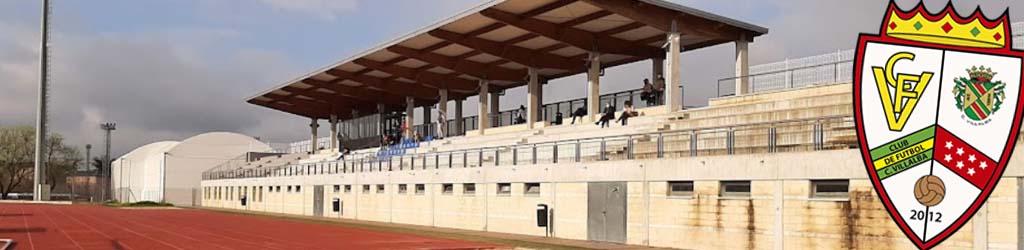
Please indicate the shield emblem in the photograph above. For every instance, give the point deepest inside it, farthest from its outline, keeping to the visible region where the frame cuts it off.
(937, 105)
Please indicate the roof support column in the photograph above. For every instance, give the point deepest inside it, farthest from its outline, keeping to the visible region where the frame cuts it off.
(483, 112)
(410, 116)
(594, 85)
(742, 67)
(533, 98)
(380, 120)
(673, 83)
(460, 127)
(426, 121)
(495, 100)
(658, 78)
(442, 113)
(313, 126)
(334, 132)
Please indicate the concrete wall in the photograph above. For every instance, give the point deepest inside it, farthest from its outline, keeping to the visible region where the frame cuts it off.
(780, 212)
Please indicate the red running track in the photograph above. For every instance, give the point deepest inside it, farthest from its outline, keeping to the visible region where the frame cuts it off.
(37, 226)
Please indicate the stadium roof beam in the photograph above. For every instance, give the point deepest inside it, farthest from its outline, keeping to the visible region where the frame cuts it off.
(294, 99)
(467, 67)
(412, 89)
(319, 96)
(442, 81)
(573, 36)
(308, 111)
(655, 14)
(513, 53)
(358, 93)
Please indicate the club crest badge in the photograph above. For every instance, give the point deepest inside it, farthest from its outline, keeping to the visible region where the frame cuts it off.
(937, 105)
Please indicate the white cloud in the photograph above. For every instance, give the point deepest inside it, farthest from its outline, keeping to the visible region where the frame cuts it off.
(326, 9)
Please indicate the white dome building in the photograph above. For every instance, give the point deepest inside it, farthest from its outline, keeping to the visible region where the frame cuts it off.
(171, 171)
(136, 176)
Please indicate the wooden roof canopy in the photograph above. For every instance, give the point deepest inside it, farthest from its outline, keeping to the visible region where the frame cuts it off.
(498, 41)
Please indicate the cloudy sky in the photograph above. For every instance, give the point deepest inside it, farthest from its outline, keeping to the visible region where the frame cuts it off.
(169, 69)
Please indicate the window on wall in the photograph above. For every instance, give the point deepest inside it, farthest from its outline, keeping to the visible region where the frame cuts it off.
(348, 189)
(735, 189)
(421, 189)
(289, 189)
(298, 188)
(337, 188)
(278, 189)
(469, 188)
(531, 189)
(366, 189)
(830, 189)
(380, 188)
(504, 188)
(680, 189)
(447, 189)
(403, 188)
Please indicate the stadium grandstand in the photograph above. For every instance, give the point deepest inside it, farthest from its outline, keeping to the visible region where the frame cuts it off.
(735, 174)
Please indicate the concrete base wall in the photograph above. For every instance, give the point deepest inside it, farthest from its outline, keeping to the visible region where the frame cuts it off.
(779, 214)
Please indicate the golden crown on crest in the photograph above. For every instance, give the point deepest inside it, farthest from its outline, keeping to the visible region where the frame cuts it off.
(947, 27)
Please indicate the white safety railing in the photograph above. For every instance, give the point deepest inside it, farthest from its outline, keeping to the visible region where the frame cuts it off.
(820, 69)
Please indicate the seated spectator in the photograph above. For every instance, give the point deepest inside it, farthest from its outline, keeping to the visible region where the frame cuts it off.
(608, 115)
(558, 119)
(580, 112)
(627, 112)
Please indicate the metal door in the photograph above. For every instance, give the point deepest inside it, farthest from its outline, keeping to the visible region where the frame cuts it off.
(318, 200)
(606, 211)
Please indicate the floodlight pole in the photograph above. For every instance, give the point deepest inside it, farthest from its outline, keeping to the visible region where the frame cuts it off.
(40, 165)
(107, 127)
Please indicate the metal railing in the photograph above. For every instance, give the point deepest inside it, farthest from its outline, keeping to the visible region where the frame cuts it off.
(825, 68)
(549, 111)
(793, 73)
(824, 133)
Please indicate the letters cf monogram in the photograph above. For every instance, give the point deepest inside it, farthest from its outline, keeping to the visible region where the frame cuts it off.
(908, 89)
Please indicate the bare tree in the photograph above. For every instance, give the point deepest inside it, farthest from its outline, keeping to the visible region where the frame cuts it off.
(17, 148)
(17, 151)
(61, 159)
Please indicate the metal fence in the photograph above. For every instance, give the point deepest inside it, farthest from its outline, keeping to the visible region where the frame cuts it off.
(800, 72)
(825, 133)
(793, 73)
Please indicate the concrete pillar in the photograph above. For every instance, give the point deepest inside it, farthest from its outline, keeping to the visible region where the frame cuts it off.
(381, 109)
(426, 121)
(742, 67)
(594, 85)
(483, 112)
(532, 98)
(442, 112)
(410, 106)
(334, 131)
(980, 228)
(657, 72)
(495, 107)
(459, 125)
(313, 125)
(673, 83)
